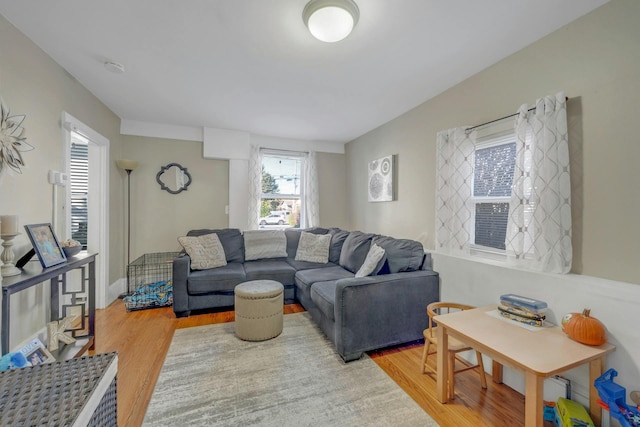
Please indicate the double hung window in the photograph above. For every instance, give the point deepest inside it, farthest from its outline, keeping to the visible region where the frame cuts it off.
(494, 164)
(282, 201)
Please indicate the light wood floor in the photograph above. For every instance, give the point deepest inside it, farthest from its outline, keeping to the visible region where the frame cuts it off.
(142, 339)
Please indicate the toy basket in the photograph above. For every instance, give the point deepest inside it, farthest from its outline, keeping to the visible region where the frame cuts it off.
(613, 398)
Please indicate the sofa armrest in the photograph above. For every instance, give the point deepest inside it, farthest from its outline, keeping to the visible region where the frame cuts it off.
(380, 311)
(181, 270)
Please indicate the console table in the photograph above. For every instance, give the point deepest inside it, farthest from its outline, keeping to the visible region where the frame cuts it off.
(84, 298)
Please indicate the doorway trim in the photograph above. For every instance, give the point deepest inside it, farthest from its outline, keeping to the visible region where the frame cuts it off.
(98, 230)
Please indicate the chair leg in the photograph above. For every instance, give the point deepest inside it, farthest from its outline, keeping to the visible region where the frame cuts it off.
(425, 354)
(483, 376)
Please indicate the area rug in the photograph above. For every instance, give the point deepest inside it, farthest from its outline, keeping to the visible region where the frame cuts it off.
(212, 378)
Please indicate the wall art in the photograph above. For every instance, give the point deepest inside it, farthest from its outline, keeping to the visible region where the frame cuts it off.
(12, 140)
(381, 179)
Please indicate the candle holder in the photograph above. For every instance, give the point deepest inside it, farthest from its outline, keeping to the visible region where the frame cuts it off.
(8, 268)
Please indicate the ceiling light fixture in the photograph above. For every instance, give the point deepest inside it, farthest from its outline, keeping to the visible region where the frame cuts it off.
(114, 67)
(330, 20)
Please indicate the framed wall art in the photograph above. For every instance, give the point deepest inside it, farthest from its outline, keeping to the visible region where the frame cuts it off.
(46, 244)
(380, 180)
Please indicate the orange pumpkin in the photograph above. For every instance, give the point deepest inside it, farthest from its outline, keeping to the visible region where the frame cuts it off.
(583, 328)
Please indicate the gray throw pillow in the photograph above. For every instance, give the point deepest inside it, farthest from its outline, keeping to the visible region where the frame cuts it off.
(373, 262)
(231, 239)
(260, 244)
(205, 251)
(313, 248)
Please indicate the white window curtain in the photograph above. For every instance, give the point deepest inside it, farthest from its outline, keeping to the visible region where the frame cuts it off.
(311, 198)
(255, 187)
(454, 213)
(539, 224)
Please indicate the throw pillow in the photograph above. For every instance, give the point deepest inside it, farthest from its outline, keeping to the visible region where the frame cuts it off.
(205, 251)
(373, 262)
(231, 239)
(259, 244)
(313, 247)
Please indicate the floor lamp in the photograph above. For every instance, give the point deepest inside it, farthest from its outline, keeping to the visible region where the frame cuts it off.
(128, 166)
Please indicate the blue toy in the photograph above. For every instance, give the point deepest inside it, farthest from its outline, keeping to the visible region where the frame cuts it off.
(613, 397)
(13, 360)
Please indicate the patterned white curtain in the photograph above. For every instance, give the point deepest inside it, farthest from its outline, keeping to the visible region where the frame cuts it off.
(539, 224)
(454, 213)
(255, 187)
(311, 198)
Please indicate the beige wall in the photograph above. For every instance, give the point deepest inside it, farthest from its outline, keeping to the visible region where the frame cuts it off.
(596, 61)
(158, 217)
(31, 83)
(332, 187)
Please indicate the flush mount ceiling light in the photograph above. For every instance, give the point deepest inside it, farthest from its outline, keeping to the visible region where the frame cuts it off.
(330, 20)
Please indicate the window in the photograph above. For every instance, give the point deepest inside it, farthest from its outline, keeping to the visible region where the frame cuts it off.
(282, 195)
(79, 182)
(494, 164)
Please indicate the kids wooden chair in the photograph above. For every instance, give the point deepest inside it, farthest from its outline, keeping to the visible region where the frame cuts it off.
(455, 346)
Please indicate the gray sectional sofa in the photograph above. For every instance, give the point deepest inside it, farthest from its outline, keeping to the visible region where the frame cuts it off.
(358, 314)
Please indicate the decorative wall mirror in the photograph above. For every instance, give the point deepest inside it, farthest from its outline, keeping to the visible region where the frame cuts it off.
(173, 178)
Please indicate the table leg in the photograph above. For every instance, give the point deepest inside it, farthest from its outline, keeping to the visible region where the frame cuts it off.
(443, 364)
(92, 304)
(496, 372)
(533, 400)
(595, 370)
(5, 320)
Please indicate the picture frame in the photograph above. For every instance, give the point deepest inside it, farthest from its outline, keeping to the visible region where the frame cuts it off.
(36, 353)
(380, 179)
(45, 243)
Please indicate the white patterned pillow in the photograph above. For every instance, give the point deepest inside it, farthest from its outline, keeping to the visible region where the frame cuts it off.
(205, 251)
(313, 247)
(259, 244)
(373, 262)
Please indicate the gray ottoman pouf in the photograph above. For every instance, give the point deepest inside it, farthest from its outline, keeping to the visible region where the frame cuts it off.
(259, 306)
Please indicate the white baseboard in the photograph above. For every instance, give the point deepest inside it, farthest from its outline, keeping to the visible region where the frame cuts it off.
(116, 289)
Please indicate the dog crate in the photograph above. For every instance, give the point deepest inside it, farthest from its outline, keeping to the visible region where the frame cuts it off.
(149, 281)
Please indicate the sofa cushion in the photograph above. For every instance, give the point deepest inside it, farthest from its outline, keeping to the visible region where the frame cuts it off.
(402, 254)
(305, 265)
(222, 279)
(231, 239)
(313, 248)
(323, 294)
(261, 244)
(373, 262)
(205, 251)
(354, 250)
(270, 269)
(337, 240)
(309, 277)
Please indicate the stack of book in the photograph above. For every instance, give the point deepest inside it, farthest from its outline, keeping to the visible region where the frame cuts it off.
(522, 309)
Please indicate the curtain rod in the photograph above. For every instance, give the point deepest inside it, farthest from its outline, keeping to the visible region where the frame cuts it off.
(467, 130)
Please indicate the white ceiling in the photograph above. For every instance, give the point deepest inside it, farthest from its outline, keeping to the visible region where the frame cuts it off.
(251, 65)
